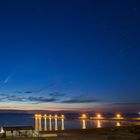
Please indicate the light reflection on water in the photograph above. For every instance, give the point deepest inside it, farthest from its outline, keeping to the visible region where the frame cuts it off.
(99, 124)
(62, 124)
(49, 124)
(83, 124)
(118, 123)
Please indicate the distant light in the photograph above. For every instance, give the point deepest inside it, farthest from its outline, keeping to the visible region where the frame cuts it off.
(84, 116)
(1, 130)
(99, 116)
(118, 116)
(45, 116)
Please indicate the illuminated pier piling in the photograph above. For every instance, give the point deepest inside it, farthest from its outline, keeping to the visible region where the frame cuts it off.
(40, 123)
(50, 122)
(36, 122)
(62, 122)
(39, 120)
(56, 126)
(45, 122)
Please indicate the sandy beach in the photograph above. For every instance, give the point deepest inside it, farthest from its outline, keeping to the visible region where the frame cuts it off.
(109, 133)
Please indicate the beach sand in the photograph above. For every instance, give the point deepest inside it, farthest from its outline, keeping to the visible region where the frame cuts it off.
(110, 133)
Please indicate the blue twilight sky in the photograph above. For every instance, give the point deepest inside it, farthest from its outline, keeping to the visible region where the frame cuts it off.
(70, 54)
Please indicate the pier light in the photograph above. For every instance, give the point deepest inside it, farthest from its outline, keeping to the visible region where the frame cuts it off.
(55, 116)
(99, 116)
(139, 114)
(50, 116)
(84, 116)
(45, 116)
(62, 116)
(39, 115)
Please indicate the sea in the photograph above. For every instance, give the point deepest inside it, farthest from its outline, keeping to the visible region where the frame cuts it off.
(11, 120)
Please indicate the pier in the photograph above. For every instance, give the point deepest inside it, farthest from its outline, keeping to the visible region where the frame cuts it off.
(45, 122)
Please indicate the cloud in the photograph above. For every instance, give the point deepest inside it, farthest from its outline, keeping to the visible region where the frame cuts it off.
(22, 92)
(15, 98)
(19, 92)
(51, 85)
(7, 79)
(39, 90)
(32, 99)
(28, 92)
(127, 103)
(41, 99)
(55, 97)
(57, 94)
(11, 98)
(80, 99)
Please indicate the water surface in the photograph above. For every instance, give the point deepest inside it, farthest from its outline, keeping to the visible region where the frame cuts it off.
(57, 124)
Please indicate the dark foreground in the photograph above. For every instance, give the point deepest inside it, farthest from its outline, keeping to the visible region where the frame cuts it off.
(110, 133)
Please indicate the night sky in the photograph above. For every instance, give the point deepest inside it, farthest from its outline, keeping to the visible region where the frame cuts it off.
(70, 55)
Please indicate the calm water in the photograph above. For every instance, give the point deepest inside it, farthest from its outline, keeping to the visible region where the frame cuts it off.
(56, 124)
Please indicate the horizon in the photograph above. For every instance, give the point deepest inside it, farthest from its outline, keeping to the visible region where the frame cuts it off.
(70, 55)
